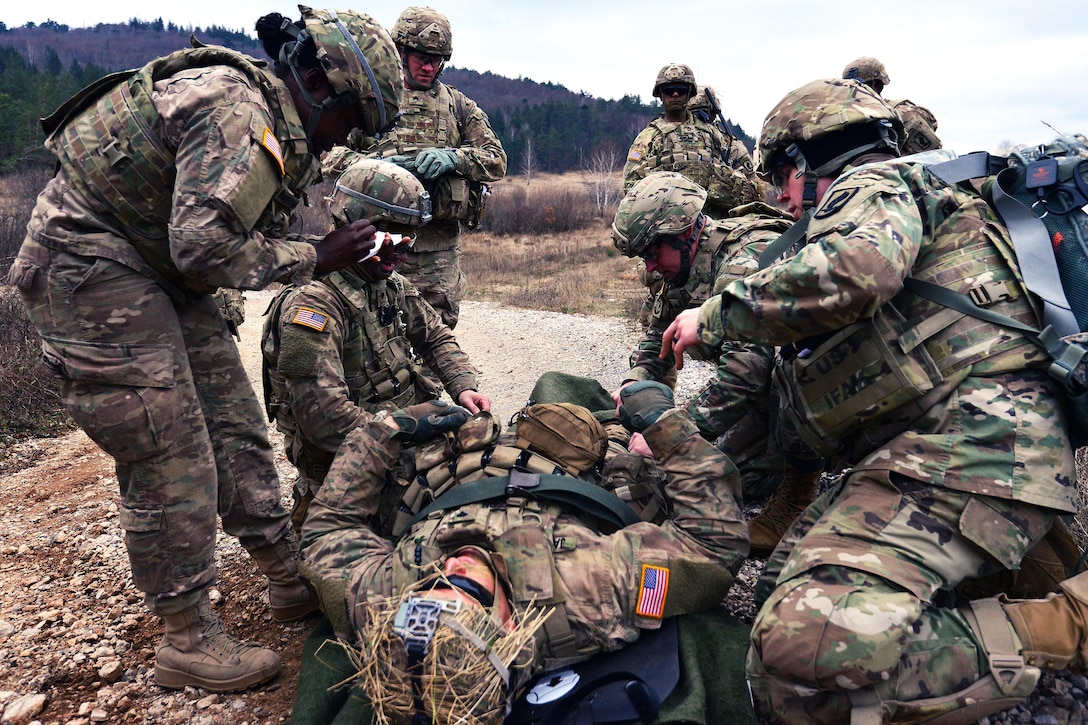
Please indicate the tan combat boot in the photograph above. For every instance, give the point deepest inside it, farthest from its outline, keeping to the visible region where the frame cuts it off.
(196, 652)
(1053, 631)
(288, 596)
(797, 491)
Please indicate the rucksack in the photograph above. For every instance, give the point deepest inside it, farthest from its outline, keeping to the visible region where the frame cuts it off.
(1039, 193)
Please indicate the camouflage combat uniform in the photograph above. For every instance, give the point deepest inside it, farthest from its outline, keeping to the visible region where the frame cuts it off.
(738, 402)
(232, 305)
(699, 151)
(948, 486)
(552, 556)
(118, 280)
(438, 117)
(340, 349)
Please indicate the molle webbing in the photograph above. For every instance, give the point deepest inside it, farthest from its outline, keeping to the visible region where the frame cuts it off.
(491, 461)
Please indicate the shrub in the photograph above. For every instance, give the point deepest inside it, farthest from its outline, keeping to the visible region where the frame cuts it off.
(542, 209)
(18, 191)
(29, 404)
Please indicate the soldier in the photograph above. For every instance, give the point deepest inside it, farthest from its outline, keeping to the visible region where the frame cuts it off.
(661, 221)
(173, 180)
(959, 453)
(682, 141)
(919, 123)
(510, 558)
(446, 140)
(343, 347)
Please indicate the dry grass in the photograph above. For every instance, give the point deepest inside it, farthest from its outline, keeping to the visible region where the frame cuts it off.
(576, 273)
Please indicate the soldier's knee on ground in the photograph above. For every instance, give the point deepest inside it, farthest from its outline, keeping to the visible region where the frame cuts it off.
(833, 634)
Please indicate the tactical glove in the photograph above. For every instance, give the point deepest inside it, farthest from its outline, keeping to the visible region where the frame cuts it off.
(642, 403)
(432, 163)
(424, 421)
(405, 162)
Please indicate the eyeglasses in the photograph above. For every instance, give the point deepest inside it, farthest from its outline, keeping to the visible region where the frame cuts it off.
(430, 59)
(675, 89)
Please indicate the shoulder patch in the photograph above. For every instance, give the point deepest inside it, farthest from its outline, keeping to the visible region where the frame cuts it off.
(309, 317)
(652, 590)
(635, 155)
(272, 145)
(835, 202)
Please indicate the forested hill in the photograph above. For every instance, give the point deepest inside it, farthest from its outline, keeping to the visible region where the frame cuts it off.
(543, 126)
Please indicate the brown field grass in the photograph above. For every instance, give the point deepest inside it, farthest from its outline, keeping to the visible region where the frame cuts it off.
(575, 272)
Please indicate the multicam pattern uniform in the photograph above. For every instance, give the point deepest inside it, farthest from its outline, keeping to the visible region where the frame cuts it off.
(439, 117)
(738, 402)
(963, 490)
(147, 366)
(699, 151)
(552, 556)
(323, 383)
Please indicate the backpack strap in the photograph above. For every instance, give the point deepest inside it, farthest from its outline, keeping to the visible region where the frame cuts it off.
(545, 486)
(1069, 360)
(1030, 238)
(785, 241)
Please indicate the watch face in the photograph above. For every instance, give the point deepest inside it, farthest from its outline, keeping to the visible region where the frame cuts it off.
(552, 686)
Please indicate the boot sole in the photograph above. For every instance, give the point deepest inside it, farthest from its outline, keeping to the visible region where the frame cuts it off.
(173, 679)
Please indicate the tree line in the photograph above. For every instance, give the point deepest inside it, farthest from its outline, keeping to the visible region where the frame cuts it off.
(543, 126)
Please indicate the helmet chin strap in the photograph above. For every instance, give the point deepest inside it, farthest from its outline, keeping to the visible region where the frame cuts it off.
(685, 251)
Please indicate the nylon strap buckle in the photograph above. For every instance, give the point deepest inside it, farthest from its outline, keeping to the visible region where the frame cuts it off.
(519, 481)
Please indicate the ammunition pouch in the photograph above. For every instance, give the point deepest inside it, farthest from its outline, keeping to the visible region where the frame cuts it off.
(860, 376)
(455, 197)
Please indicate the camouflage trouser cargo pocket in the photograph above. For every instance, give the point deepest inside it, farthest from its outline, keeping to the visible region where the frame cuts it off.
(150, 564)
(121, 395)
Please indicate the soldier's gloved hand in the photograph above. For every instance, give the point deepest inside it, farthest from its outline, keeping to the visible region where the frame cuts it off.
(405, 162)
(424, 421)
(432, 163)
(642, 403)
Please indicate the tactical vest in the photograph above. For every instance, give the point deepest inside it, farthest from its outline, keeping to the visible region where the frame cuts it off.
(433, 120)
(871, 381)
(107, 139)
(694, 149)
(519, 531)
(380, 368)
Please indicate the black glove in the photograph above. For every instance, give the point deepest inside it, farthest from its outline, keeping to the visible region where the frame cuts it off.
(642, 403)
(424, 421)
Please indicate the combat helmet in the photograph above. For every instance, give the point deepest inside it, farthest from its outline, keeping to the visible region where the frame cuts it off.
(444, 659)
(822, 126)
(424, 30)
(391, 197)
(359, 60)
(866, 69)
(675, 73)
(663, 203)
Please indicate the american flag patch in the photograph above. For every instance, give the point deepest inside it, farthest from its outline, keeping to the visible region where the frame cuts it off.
(635, 156)
(311, 318)
(270, 142)
(652, 592)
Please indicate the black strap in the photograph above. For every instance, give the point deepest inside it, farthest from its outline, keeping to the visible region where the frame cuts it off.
(791, 236)
(565, 490)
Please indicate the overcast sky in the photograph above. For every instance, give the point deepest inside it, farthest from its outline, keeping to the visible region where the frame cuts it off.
(992, 72)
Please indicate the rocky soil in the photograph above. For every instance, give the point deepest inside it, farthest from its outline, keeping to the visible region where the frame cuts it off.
(76, 643)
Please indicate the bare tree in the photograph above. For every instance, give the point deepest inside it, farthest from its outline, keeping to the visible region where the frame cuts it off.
(528, 159)
(603, 166)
